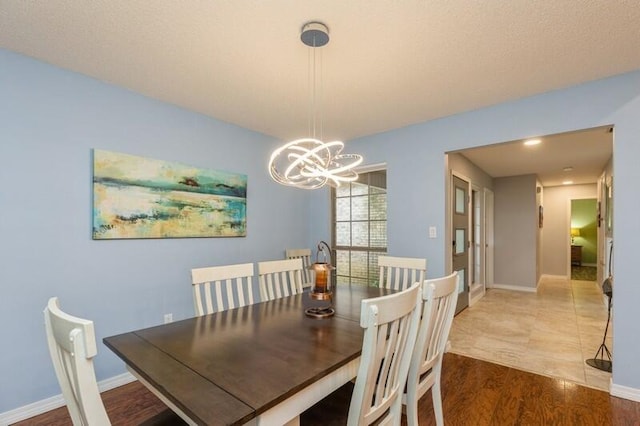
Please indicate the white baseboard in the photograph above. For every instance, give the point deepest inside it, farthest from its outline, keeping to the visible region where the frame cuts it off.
(625, 392)
(57, 401)
(513, 288)
(555, 277)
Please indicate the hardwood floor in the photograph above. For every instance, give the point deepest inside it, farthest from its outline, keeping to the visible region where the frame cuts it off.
(474, 393)
(131, 404)
(478, 393)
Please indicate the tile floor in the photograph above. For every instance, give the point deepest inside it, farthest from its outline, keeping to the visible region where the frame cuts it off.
(551, 332)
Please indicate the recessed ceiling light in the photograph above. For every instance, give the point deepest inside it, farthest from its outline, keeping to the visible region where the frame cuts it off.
(567, 182)
(532, 142)
(567, 169)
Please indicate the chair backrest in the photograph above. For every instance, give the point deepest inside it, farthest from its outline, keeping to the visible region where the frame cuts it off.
(72, 346)
(218, 288)
(439, 298)
(308, 277)
(391, 326)
(398, 273)
(279, 278)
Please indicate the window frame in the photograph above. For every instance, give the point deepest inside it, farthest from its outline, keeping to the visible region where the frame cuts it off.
(372, 270)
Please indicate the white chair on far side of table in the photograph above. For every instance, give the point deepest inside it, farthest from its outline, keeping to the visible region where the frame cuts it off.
(218, 288)
(398, 273)
(279, 278)
(308, 278)
(439, 297)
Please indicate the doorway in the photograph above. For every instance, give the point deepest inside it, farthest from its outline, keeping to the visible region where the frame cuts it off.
(584, 239)
(555, 161)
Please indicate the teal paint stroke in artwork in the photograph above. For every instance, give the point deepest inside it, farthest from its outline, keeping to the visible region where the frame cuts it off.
(123, 169)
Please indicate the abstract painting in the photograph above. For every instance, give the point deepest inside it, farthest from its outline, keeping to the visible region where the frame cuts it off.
(137, 197)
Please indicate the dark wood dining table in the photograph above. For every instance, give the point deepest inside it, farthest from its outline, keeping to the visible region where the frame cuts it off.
(262, 364)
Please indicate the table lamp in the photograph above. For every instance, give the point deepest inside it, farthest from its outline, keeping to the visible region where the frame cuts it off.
(575, 232)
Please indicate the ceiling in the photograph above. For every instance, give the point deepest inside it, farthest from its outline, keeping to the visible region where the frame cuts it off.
(388, 64)
(576, 157)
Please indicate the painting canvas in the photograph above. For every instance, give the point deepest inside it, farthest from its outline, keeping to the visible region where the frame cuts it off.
(137, 197)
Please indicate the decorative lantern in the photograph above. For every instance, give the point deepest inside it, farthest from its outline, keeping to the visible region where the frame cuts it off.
(322, 289)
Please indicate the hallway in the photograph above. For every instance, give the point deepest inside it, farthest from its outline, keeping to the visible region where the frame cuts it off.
(551, 332)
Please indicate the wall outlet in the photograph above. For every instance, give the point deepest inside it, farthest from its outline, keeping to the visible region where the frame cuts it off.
(168, 318)
(432, 232)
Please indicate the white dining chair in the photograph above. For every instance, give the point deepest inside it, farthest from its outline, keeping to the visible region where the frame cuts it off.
(279, 278)
(439, 297)
(398, 273)
(304, 254)
(390, 328)
(218, 288)
(72, 346)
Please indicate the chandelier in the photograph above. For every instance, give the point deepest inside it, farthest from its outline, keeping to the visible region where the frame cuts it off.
(309, 162)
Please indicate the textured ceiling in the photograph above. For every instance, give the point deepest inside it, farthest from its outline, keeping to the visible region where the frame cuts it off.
(579, 157)
(388, 64)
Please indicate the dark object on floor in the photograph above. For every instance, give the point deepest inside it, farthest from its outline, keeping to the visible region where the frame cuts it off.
(598, 361)
(607, 287)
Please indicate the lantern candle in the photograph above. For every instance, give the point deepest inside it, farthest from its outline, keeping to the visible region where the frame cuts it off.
(321, 277)
(321, 289)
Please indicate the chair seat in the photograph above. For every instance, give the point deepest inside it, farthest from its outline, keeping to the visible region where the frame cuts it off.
(330, 411)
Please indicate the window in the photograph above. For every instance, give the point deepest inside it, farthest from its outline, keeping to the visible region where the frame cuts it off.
(360, 227)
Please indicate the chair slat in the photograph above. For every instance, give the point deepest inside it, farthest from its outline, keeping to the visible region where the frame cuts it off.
(197, 301)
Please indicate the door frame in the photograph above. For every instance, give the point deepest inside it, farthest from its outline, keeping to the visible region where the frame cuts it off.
(477, 260)
(599, 238)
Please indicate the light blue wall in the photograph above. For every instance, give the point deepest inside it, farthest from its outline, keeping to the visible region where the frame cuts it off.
(416, 181)
(50, 120)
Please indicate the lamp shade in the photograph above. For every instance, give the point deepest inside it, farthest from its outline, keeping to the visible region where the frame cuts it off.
(575, 232)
